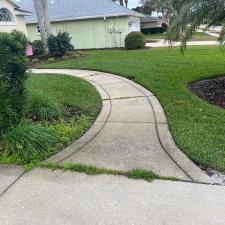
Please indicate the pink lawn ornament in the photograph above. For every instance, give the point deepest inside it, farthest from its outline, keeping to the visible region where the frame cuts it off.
(29, 51)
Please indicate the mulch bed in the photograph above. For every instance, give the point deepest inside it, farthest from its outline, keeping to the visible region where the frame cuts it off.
(212, 90)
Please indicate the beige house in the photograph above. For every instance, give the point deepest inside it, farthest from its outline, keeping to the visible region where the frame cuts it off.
(12, 16)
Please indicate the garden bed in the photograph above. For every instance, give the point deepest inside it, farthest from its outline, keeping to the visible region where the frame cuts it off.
(66, 106)
(38, 60)
(211, 90)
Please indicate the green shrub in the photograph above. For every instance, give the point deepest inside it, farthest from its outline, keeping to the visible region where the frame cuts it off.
(13, 66)
(58, 45)
(153, 30)
(134, 40)
(6, 108)
(41, 108)
(67, 132)
(51, 60)
(38, 47)
(27, 140)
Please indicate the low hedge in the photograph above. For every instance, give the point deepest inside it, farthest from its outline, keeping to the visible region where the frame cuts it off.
(153, 30)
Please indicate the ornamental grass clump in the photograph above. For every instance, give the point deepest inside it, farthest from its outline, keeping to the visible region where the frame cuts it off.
(28, 140)
(43, 108)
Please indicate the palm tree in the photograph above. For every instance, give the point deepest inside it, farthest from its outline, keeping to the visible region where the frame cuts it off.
(41, 8)
(190, 14)
(159, 6)
(122, 2)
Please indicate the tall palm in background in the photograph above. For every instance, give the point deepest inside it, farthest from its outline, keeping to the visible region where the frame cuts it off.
(122, 2)
(163, 7)
(190, 14)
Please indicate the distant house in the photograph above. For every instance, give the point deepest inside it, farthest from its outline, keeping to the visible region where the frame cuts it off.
(90, 23)
(153, 25)
(150, 22)
(12, 16)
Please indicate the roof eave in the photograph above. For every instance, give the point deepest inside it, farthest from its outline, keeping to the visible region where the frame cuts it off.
(92, 17)
(21, 12)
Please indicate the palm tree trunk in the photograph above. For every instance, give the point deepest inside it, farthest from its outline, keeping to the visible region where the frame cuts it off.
(41, 8)
(121, 2)
(40, 18)
(46, 17)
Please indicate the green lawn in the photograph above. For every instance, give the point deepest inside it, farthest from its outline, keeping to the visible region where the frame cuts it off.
(67, 90)
(198, 128)
(197, 36)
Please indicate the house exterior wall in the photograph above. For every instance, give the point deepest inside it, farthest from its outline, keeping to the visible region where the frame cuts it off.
(151, 24)
(134, 23)
(19, 22)
(91, 33)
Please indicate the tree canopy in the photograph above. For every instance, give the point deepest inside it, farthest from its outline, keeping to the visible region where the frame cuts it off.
(190, 14)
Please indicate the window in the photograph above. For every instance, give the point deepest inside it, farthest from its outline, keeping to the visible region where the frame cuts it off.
(38, 29)
(5, 15)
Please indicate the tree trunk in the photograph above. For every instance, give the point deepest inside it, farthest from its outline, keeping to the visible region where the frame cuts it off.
(121, 2)
(41, 8)
(46, 17)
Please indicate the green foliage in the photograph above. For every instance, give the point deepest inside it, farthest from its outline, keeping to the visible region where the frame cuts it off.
(142, 174)
(190, 14)
(27, 140)
(58, 45)
(13, 64)
(41, 107)
(67, 90)
(61, 90)
(6, 108)
(38, 47)
(51, 60)
(153, 30)
(134, 40)
(136, 174)
(67, 132)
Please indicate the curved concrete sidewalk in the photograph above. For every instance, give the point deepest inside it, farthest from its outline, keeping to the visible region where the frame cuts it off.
(131, 132)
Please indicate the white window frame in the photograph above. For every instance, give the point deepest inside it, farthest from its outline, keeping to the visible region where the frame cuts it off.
(8, 23)
(38, 31)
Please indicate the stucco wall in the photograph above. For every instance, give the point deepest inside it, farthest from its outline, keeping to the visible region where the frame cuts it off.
(18, 23)
(88, 34)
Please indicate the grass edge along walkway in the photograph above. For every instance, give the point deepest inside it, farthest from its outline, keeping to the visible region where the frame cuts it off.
(136, 174)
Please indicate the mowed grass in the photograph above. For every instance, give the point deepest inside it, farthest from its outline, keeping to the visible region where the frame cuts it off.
(66, 90)
(197, 36)
(198, 127)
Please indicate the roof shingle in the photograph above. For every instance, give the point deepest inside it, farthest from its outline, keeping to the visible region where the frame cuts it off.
(60, 10)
